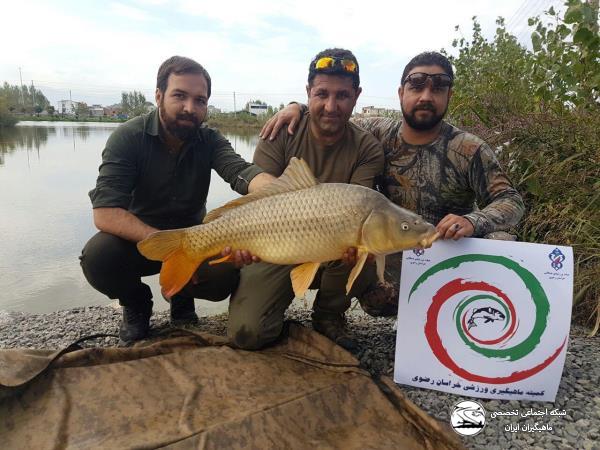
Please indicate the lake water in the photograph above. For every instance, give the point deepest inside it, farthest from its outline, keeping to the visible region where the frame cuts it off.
(46, 171)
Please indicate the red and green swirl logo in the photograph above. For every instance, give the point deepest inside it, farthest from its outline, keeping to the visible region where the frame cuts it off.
(487, 320)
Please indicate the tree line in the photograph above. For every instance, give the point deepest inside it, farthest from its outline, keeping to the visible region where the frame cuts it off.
(133, 104)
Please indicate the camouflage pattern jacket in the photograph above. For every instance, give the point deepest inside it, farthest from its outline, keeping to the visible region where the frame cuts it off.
(457, 173)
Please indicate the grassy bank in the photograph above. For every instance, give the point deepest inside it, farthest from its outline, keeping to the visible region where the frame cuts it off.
(6, 118)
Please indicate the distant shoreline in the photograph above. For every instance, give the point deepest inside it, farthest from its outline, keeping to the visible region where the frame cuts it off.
(242, 123)
(68, 119)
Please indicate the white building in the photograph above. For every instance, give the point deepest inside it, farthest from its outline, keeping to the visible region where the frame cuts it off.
(96, 111)
(256, 109)
(67, 107)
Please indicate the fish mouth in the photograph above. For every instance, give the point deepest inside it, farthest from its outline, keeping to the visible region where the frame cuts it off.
(428, 240)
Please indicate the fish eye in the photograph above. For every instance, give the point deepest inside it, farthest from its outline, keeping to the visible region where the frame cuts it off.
(404, 226)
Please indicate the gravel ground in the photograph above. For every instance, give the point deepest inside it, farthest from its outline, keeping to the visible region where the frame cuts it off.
(578, 394)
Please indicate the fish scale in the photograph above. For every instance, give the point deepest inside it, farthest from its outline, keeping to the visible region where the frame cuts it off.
(318, 224)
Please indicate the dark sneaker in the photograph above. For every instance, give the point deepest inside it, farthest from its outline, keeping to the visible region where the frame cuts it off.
(380, 300)
(135, 324)
(334, 327)
(183, 311)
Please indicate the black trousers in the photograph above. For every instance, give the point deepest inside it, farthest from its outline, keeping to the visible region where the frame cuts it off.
(114, 267)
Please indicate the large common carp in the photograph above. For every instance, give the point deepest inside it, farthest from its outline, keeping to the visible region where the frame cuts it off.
(293, 220)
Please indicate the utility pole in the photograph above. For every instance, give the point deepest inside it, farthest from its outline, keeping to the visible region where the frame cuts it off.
(22, 98)
(234, 113)
(32, 95)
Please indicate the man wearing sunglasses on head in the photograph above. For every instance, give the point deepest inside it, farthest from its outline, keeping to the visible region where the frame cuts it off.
(450, 177)
(337, 152)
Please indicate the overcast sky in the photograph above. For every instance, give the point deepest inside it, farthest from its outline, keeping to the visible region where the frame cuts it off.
(257, 48)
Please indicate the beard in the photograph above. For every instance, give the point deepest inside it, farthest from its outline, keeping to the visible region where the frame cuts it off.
(423, 124)
(181, 132)
(331, 128)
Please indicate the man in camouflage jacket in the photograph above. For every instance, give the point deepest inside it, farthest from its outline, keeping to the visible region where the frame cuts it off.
(450, 177)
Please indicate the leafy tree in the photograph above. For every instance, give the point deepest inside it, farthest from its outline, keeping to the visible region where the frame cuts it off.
(82, 109)
(566, 56)
(491, 78)
(25, 99)
(6, 118)
(134, 103)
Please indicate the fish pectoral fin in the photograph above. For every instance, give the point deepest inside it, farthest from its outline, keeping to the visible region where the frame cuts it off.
(362, 257)
(302, 276)
(176, 271)
(380, 264)
(227, 258)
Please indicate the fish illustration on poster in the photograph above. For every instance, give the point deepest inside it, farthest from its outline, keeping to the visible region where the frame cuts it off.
(485, 318)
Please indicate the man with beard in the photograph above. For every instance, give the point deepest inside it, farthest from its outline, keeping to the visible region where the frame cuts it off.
(448, 176)
(155, 175)
(337, 152)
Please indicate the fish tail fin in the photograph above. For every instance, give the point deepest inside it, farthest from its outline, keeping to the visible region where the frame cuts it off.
(178, 266)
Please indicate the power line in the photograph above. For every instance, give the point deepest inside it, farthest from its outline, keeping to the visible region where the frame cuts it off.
(526, 31)
(532, 8)
(518, 24)
(514, 18)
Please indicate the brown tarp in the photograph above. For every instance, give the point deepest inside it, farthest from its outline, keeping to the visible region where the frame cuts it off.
(191, 390)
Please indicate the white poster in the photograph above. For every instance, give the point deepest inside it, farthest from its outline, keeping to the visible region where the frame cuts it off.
(485, 318)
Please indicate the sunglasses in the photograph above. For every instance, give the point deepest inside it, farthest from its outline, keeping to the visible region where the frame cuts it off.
(438, 80)
(329, 62)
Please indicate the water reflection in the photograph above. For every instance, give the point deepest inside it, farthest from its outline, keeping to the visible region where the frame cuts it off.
(33, 137)
(23, 138)
(79, 132)
(46, 215)
(246, 138)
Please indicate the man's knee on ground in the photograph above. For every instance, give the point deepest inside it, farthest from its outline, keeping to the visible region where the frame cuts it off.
(249, 336)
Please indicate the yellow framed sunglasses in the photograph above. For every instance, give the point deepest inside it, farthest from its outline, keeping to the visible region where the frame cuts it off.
(329, 62)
